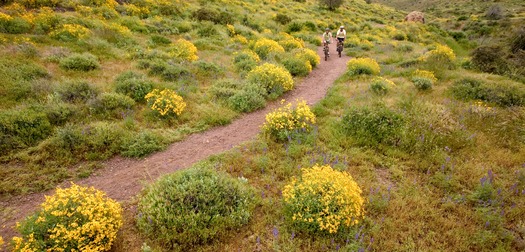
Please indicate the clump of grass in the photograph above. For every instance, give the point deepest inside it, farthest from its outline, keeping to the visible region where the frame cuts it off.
(80, 62)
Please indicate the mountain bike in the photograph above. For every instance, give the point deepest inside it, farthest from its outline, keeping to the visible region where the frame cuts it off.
(339, 48)
(326, 50)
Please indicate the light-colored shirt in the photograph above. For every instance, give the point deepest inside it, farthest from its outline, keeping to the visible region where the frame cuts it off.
(327, 36)
(341, 34)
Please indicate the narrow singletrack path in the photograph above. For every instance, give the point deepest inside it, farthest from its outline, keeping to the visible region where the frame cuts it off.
(123, 178)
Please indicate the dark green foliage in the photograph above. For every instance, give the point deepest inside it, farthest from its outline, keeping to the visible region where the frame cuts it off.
(249, 99)
(225, 88)
(22, 128)
(194, 206)
(58, 113)
(239, 96)
(331, 4)
(142, 144)
(422, 84)
(207, 30)
(296, 66)
(80, 62)
(207, 14)
(174, 72)
(159, 40)
(282, 18)
(458, 35)
(373, 126)
(503, 94)
(294, 26)
(489, 59)
(76, 91)
(112, 105)
(205, 68)
(404, 48)
(96, 141)
(134, 85)
(466, 89)
(378, 87)
(17, 25)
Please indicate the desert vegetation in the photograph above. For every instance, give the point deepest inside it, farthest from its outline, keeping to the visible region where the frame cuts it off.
(419, 145)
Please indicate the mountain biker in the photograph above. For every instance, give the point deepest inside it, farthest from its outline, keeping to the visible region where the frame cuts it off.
(341, 34)
(327, 36)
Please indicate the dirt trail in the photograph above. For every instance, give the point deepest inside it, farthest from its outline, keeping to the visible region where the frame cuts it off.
(122, 178)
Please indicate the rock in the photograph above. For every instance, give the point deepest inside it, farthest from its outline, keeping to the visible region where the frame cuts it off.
(415, 16)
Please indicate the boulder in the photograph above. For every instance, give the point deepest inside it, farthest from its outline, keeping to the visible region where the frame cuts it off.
(415, 16)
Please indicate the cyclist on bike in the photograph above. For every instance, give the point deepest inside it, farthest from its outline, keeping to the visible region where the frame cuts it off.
(327, 36)
(341, 34)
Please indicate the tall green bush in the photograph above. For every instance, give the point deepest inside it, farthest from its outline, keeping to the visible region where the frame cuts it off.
(193, 207)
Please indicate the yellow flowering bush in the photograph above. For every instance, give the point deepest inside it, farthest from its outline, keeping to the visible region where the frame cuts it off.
(133, 10)
(283, 122)
(291, 43)
(358, 66)
(239, 39)
(441, 53)
(165, 102)
(323, 200)
(424, 74)
(310, 55)
(275, 79)
(73, 219)
(1, 241)
(264, 47)
(70, 32)
(183, 50)
(231, 30)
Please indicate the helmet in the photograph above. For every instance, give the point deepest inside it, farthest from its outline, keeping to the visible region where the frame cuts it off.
(327, 29)
(342, 27)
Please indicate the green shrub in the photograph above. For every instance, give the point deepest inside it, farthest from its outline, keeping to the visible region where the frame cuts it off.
(466, 89)
(207, 30)
(489, 59)
(76, 91)
(247, 99)
(58, 113)
(73, 219)
(80, 62)
(225, 88)
(282, 18)
(96, 141)
(504, 94)
(404, 48)
(297, 66)
(422, 83)
(193, 207)
(134, 85)
(331, 4)
(399, 36)
(267, 47)
(141, 144)
(14, 25)
(245, 61)
(379, 87)
(159, 40)
(206, 14)
(373, 126)
(112, 104)
(175, 72)
(22, 128)
(208, 69)
(294, 26)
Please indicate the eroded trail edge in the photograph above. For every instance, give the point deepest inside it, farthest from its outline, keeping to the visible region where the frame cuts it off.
(123, 178)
